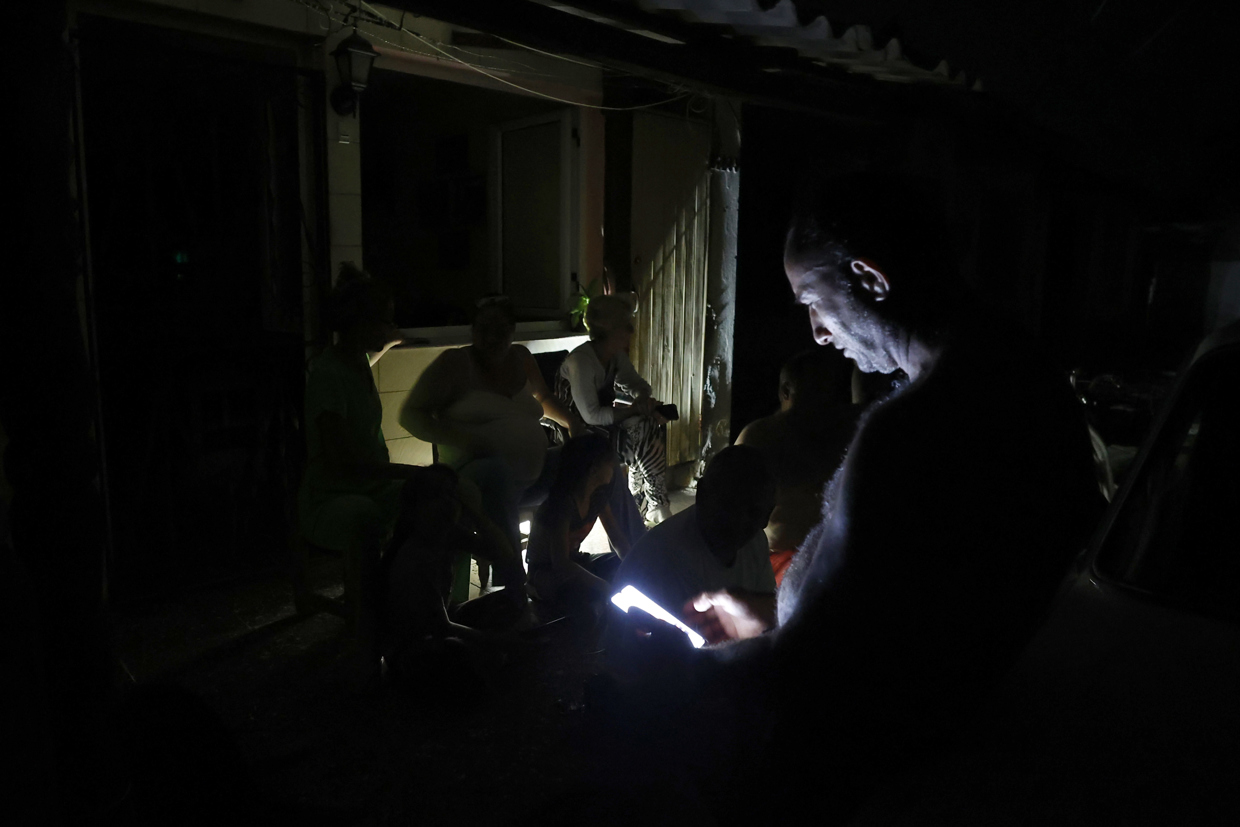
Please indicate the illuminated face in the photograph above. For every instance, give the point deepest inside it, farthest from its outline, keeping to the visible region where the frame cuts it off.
(839, 317)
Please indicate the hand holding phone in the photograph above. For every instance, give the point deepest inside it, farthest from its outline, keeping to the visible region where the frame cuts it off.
(668, 412)
(629, 597)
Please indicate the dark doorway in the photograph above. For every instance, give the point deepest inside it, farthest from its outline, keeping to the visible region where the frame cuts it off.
(193, 179)
(427, 154)
(784, 154)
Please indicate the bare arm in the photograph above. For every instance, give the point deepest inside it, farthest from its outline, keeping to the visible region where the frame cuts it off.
(552, 408)
(556, 541)
(394, 339)
(615, 531)
(436, 389)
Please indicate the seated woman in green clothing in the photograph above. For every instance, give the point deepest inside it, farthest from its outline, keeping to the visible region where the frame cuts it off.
(351, 492)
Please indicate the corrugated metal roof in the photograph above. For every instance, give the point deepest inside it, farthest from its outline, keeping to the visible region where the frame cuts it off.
(853, 49)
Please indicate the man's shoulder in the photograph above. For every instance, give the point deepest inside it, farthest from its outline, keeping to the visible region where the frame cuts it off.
(764, 432)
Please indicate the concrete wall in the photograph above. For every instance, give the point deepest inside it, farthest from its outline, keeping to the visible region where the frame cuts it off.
(396, 373)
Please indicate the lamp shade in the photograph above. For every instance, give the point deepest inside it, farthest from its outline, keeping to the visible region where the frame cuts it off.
(354, 57)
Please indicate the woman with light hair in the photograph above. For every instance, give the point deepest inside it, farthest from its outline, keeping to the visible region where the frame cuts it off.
(587, 383)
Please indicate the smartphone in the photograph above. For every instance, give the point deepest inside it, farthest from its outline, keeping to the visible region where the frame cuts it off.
(668, 412)
(629, 597)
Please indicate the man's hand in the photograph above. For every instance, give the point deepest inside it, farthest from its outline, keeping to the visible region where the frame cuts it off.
(723, 615)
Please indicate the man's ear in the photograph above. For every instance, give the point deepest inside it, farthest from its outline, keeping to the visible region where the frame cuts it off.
(872, 279)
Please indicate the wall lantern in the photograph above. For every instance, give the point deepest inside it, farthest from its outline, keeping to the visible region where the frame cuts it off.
(354, 57)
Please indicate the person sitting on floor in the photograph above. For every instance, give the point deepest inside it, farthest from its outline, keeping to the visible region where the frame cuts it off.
(438, 527)
(581, 495)
(804, 443)
(714, 550)
(587, 384)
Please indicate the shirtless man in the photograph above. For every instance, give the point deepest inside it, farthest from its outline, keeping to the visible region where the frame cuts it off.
(938, 555)
(803, 443)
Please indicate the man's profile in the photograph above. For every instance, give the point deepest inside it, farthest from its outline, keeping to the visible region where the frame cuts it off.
(937, 555)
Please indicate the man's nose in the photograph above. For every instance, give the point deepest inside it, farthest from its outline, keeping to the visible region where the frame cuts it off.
(822, 333)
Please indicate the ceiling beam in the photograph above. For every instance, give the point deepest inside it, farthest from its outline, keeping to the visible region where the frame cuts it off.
(705, 60)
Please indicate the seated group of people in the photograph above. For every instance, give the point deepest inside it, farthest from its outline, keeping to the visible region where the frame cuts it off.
(481, 406)
(924, 564)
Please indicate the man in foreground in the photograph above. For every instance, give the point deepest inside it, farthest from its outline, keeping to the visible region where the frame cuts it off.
(938, 553)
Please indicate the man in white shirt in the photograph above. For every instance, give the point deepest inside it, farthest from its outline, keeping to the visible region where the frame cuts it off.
(712, 551)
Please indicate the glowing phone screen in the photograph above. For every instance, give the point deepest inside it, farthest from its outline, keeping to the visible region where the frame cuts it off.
(628, 597)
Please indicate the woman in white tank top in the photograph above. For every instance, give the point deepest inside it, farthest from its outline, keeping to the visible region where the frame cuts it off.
(481, 405)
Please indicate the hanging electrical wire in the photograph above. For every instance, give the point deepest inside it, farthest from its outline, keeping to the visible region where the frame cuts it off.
(353, 16)
(565, 58)
(331, 15)
(524, 89)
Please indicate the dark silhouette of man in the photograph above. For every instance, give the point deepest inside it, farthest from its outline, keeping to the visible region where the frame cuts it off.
(964, 496)
(804, 443)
